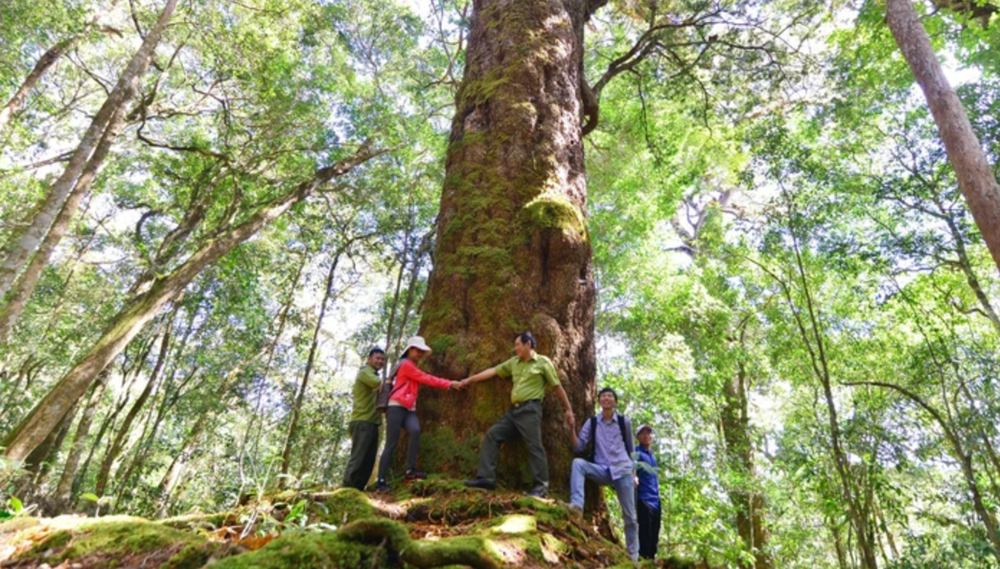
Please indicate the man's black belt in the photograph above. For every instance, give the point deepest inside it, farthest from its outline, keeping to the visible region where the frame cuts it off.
(520, 403)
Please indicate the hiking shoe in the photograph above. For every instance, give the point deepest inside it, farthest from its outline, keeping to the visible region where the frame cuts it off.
(381, 487)
(484, 483)
(414, 474)
(574, 510)
(538, 492)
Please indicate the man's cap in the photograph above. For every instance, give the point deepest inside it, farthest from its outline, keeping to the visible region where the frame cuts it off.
(418, 343)
(643, 428)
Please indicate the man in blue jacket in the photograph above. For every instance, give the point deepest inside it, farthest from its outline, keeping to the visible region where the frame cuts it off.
(648, 496)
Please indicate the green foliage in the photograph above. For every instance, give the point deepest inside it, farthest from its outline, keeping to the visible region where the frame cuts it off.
(771, 212)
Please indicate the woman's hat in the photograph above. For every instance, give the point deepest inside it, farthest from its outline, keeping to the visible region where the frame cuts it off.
(418, 343)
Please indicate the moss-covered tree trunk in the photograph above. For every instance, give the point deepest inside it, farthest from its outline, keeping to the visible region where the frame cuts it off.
(512, 251)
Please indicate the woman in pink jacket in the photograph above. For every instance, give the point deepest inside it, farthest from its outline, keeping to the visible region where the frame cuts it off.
(402, 411)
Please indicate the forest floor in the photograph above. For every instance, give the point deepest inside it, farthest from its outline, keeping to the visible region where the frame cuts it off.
(429, 523)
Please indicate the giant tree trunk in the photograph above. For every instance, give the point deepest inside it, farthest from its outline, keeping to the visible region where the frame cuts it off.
(975, 178)
(513, 251)
(46, 415)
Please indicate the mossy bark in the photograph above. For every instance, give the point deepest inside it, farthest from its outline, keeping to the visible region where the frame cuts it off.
(512, 251)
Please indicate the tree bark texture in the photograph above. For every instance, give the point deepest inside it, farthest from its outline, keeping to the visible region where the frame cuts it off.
(512, 249)
(133, 317)
(975, 178)
(23, 245)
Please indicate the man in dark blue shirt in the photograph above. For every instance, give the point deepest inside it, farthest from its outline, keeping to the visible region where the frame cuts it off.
(648, 494)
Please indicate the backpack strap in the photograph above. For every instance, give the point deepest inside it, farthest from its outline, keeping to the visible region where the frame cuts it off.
(593, 442)
(391, 380)
(626, 435)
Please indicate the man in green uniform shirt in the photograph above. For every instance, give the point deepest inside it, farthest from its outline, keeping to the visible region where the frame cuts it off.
(532, 374)
(365, 421)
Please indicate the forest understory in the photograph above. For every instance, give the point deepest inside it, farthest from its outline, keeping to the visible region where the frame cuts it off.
(430, 523)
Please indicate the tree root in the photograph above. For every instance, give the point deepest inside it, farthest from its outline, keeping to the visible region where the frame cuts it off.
(468, 551)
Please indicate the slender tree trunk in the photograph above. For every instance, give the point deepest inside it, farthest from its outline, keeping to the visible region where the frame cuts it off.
(145, 444)
(838, 544)
(955, 440)
(748, 502)
(21, 246)
(970, 274)
(134, 317)
(975, 178)
(884, 524)
(107, 425)
(269, 349)
(126, 427)
(73, 265)
(63, 492)
(512, 251)
(25, 285)
(395, 303)
(293, 424)
(814, 341)
(176, 468)
(43, 64)
(411, 289)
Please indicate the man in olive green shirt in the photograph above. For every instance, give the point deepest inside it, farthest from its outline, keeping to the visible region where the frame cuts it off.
(365, 421)
(532, 374)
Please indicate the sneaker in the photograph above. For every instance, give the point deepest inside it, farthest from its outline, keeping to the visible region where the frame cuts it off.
(484, 483)
(381, 487)
(414, 474)
(538, 492)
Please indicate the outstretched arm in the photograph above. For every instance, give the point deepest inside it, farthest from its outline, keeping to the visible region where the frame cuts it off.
(420, 376)
(481, 376)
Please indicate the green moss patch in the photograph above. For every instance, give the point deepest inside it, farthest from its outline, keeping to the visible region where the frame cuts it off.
(199, 521)
(555, 212)
(341, 507)
(119, 544)
(314, 550)
(436, 522)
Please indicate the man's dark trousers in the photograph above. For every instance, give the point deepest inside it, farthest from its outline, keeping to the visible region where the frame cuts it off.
(649, 529)
(524, 420)
(364, 448)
